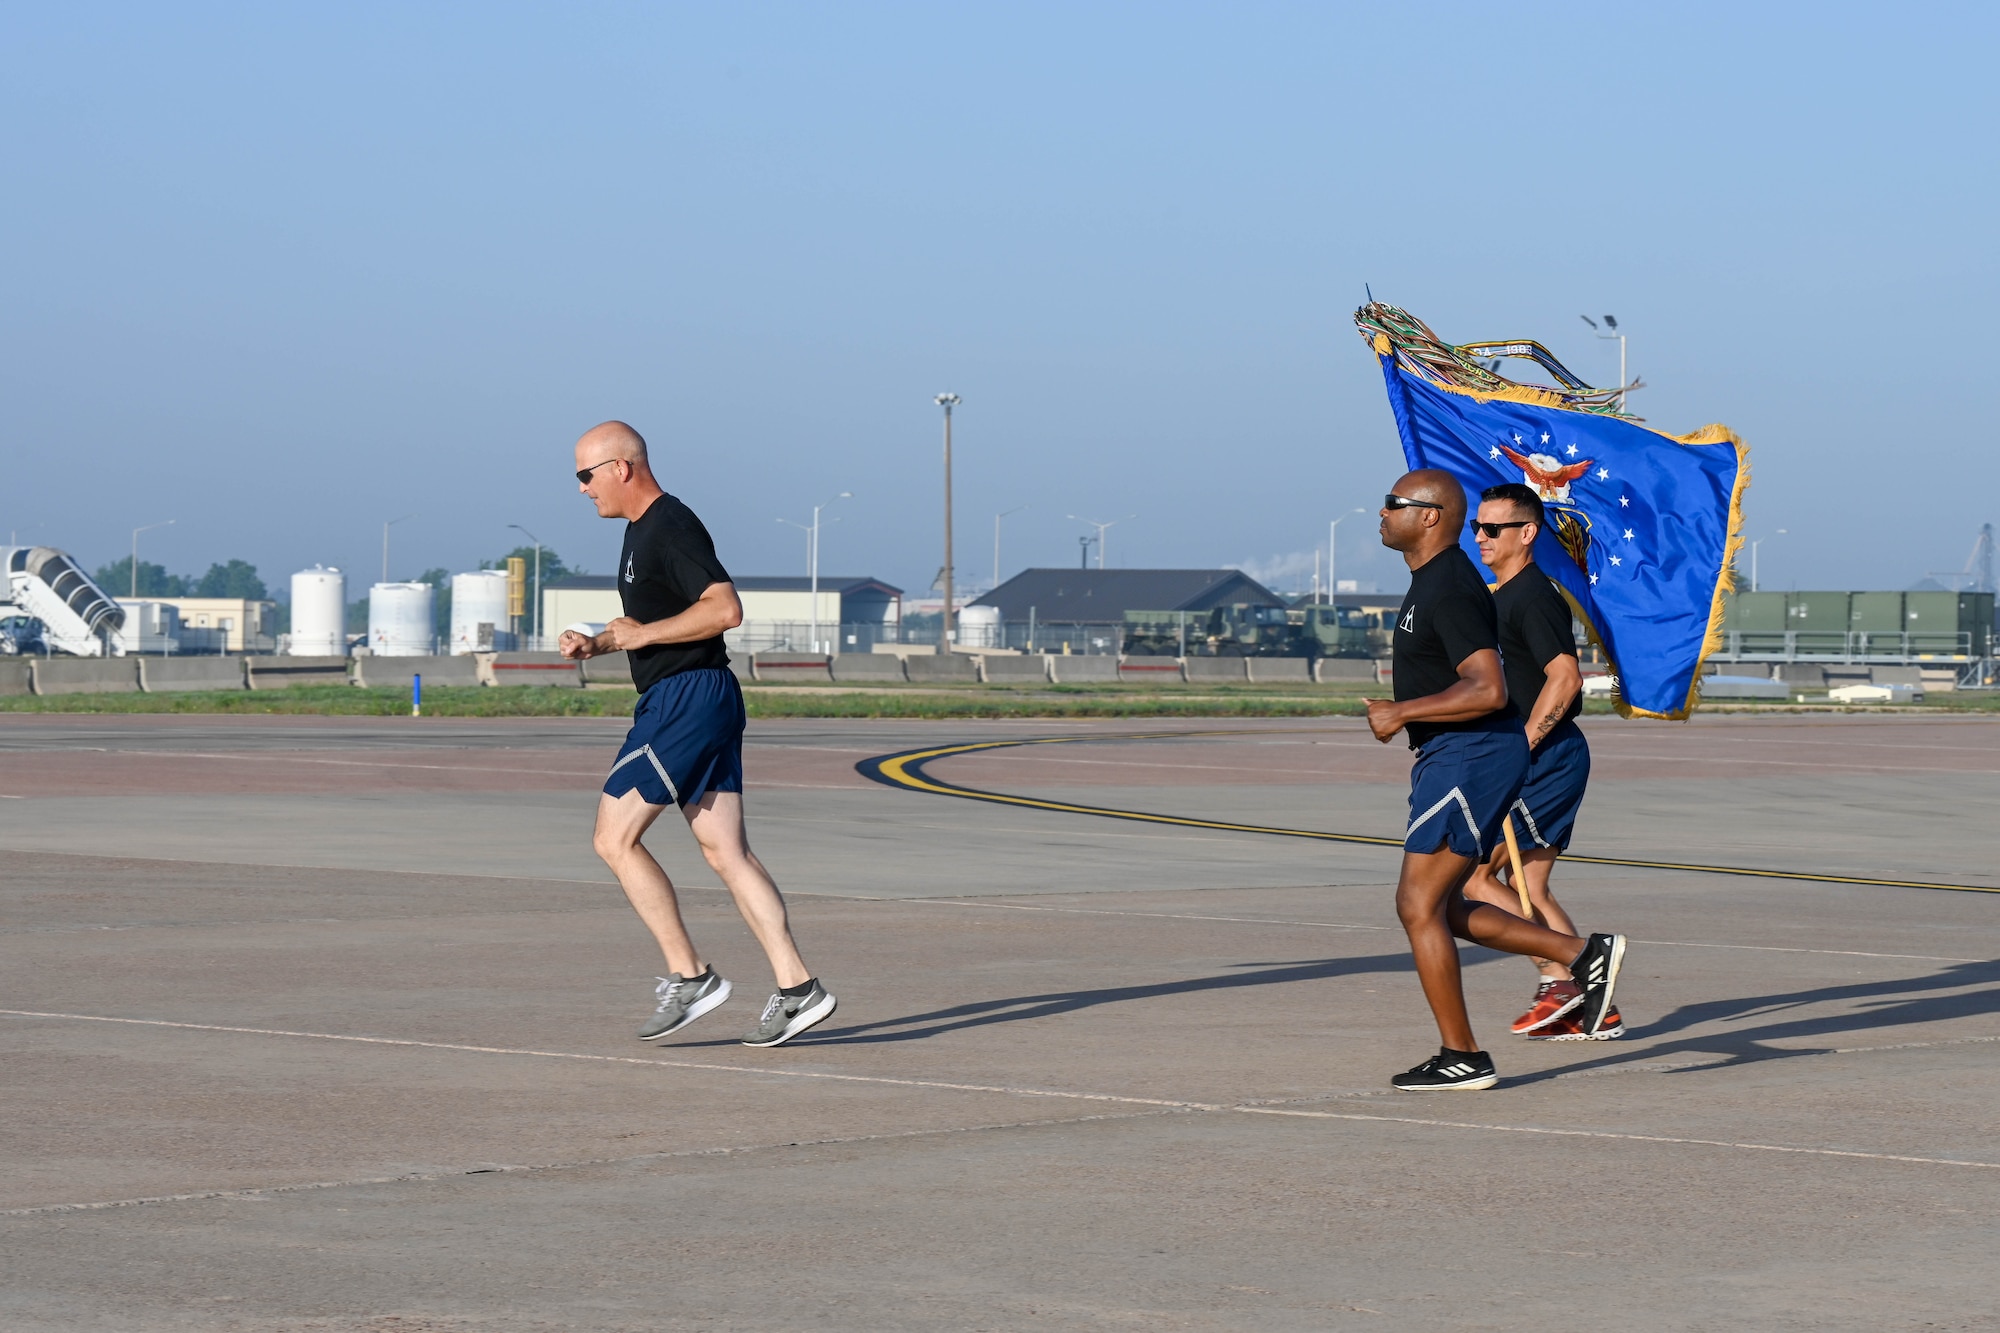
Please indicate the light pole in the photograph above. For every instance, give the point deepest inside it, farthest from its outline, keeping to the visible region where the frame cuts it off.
(538, 579)
(813, 556)
(947, 401)
(1332, 533)
(996, 540)
(1753, 556)
(135, 550)
(385, 544)
(1102, 528)
(1612, 322)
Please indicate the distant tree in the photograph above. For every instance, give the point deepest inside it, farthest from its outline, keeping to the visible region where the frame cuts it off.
(440, 580)
(154, 581)
(553, 567)
(238, 578)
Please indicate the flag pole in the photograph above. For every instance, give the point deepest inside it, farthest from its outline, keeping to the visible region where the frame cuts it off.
(1514, 859)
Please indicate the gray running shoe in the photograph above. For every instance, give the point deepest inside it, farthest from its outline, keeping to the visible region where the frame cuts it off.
(682, 1000)
(786, 1016)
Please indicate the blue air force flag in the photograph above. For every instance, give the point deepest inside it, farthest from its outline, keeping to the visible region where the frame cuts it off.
(1641, 525)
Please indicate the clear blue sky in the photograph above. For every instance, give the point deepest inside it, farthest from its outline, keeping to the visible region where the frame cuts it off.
(280, 272)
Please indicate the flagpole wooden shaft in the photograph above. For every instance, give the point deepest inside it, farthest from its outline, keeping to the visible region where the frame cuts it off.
(1514, 860)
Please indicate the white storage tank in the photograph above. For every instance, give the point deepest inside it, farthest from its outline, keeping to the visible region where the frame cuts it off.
(979, 627)
(319, 613)
(400, 618)
(479, 622)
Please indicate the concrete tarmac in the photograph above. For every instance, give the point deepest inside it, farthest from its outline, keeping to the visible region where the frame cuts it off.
(327, 1024)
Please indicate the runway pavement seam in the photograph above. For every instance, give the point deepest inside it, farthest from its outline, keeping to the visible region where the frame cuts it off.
(1344, 925)
(1606, 1134)
(581, 1164)
(1160, 1103)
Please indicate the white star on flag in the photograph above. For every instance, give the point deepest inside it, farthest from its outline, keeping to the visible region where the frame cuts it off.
(1604, 474)
(1517, 437)
(1628, 534)
(1572, 448)
(1493, 452)
(1617, 560)
(1623, 502)
(1545, 438)
(1593, 578)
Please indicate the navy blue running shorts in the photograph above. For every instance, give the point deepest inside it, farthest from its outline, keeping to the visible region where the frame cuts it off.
(1558, 771)
(686, 740)
(1462, 787)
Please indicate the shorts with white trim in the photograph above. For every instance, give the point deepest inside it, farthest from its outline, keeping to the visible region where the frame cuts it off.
(1462, 787)
(1558, 771)
(686, 740)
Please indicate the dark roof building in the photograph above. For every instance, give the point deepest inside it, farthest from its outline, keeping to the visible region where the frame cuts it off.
(1103, 596)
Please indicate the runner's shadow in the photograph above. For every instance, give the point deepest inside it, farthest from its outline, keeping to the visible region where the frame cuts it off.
(1886, 1004)
(1015, 1009)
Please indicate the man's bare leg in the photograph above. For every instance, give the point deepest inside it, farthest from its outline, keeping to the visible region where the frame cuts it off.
(621, 822)
(717, 823)
(1433, 911)
(1537, 863)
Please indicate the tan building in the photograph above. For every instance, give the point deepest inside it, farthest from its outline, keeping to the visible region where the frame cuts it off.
(777, 612)
(239, 624)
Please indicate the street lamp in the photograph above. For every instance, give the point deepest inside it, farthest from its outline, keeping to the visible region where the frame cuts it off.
(135, 549)
(385, 543)
(1332, 532)
(1101, 529)
(1612, 322)
(844, 495)
(538, 579)
(1753, 556)
(947, 401)
(996, 540)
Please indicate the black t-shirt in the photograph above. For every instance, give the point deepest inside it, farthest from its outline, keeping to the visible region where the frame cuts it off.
(667, 563)
(1534, 631)
(1447, 616)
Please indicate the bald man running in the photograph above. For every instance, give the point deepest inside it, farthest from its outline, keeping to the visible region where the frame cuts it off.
(1472, 759)
(686, 742)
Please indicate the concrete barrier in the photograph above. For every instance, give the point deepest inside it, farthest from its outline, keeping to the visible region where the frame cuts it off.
(741, 667)
(17, 675)
(1077, 669)
(864, 667)
(1012, 669)
(1216, 669)
(276, 673)
(1359, 670)
(535, 669)
(608, 669)
(1280, 670)
(393, 673)
(793, 669)
(162, 675)
(950, 666)
(86, 675)
(1150, 671)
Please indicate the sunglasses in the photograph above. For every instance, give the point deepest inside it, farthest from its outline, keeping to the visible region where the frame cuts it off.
(1493, 530)
(1394, 501)
(583, 477)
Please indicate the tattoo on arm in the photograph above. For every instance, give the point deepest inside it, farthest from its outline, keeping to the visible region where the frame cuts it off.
(1548, 723)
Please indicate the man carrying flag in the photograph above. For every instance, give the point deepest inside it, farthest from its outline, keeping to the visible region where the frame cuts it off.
(1545, 685)
(1472, 760)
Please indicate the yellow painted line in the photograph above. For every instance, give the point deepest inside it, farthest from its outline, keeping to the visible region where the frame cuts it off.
(905, 770)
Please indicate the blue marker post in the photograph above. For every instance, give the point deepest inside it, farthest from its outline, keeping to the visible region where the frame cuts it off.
(416, 696)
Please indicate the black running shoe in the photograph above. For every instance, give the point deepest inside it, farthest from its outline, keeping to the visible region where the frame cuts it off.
(1596, 972)
(1449, 1071)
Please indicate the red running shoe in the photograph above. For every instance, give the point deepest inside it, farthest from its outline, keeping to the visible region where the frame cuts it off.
(1567, 1028)
(1555, 997)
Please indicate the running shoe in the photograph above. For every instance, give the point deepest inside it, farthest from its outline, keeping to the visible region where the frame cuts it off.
(1596, 971)
(786, 1016)
(1554, 998)
(1568, 1029)
(682, 1000)
(1449, 1071)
